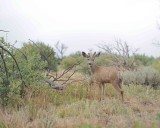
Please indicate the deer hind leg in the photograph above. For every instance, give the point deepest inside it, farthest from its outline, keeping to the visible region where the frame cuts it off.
(118, 87)
(100, 92)
(121, 90)
(103, 90)
(120, 84)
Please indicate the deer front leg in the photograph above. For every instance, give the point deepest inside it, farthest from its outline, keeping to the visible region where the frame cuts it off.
(100, 92)
(90, 84)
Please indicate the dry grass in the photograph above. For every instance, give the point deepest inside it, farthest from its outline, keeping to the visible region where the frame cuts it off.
(77, 108)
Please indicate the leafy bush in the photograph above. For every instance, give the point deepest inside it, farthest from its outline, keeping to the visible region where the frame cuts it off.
(156, 65)
(9, 73)
(47, 54)
(31, 59)
(76, 58)
(35, 59)
(30, 63)
(68, 61)
(144, 60)
(104, 60)
(143, 76)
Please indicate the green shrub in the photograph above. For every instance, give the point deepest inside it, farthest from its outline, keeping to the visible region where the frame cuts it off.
(68, 61)
(156, 65)
(86, 125)
(2, 125)
(76, 58)
(34, 60)
(144, 60)
(158, 117)
(103, 60)
(143, 76)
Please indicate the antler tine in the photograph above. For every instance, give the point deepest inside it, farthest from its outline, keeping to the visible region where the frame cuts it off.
(94, 54)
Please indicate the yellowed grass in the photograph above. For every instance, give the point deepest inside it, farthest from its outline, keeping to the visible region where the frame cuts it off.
(78, 108)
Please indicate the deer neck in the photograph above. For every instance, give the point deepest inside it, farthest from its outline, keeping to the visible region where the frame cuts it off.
(93, 68)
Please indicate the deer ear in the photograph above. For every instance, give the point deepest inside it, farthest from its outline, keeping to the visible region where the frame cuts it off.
(94, 53)
(84, 54)
(98, 54)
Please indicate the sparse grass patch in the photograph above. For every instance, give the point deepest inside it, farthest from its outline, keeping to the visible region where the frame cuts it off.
(142, 92)
(158, 116)
(2, 125)
(110, 92)
(85, 125)
(138, 124)
(76, 108)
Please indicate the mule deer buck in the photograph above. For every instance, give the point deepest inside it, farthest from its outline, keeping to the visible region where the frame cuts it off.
(102, 75)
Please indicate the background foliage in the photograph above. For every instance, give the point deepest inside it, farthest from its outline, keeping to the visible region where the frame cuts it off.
(40, 106)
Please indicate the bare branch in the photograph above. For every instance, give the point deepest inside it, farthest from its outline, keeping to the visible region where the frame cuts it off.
(120, 52)
(4, 31)
(57, 78)
(61, 49)
(156, 43)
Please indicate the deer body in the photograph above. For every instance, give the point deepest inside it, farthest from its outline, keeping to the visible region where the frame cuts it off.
(105, 74)
(102, 75)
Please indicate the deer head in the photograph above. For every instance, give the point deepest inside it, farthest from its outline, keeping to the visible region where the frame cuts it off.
(90, 57)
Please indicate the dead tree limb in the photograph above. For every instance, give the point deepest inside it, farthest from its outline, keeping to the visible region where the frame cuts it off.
(4, 31)
(121, 53)
(61, 49)
(54, 78)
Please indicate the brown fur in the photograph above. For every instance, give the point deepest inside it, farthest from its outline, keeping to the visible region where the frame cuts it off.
(102, 75)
